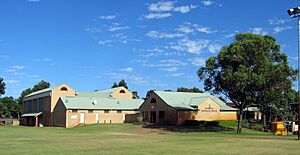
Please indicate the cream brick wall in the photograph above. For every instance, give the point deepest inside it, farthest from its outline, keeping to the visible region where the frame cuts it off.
(126, 95)
(73, 119)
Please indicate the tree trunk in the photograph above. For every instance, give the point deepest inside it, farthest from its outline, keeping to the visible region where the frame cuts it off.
(240, 119)
(264, 119)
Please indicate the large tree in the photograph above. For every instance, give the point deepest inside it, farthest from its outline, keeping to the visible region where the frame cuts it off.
(2, 86)
(243, 70)
(9, 107)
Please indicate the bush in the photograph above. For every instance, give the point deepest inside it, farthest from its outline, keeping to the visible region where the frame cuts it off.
(225, 123)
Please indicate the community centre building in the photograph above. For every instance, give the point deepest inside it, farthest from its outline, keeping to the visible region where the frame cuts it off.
(175, 108)
(63, 106)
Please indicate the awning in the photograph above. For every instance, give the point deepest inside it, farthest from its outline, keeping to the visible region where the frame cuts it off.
(31, 114)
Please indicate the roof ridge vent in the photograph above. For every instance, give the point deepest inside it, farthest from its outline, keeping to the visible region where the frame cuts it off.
(94, 102)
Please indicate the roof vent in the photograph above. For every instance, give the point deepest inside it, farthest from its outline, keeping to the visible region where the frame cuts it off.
(67, 100)
(118, 102)
(94, 102)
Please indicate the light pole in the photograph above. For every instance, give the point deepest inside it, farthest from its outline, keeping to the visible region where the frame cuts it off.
(295, 12)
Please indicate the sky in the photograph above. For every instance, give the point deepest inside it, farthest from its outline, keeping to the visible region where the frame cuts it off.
(157, 45)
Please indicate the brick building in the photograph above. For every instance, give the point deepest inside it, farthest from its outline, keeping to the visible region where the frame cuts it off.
(174, 108)
(65, 107)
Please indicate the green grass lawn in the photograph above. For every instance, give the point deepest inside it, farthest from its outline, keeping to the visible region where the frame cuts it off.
(133, 139)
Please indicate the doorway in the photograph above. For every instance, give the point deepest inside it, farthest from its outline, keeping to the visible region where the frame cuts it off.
(81, 118)
(153, 117)
(97, 117)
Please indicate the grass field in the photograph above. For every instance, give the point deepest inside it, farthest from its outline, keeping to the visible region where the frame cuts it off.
(133, 139)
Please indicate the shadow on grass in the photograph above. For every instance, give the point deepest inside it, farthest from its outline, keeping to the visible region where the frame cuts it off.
(185, 129)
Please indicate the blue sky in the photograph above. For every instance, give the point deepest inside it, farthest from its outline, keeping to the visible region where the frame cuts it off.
(151, 44)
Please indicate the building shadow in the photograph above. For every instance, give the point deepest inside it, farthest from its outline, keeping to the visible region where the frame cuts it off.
(186, 128)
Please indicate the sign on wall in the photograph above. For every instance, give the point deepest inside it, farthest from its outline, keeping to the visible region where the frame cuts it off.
(209, 108)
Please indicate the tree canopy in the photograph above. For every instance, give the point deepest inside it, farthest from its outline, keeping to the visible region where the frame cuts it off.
(192, 90)
(250, 71)
(2, 86)
(122, 83)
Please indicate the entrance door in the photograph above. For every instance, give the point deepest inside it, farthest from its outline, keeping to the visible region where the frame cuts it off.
(81, 118)
(153, 117)
(97, 117)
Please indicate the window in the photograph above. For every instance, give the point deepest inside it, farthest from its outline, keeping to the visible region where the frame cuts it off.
(122, 91)
(90, 111)
(35, 104)
(29, 104)
(161, 115)
(119, 111)
(74, 111)
(63, 89)
(41, 108)
(153, 100)
(106, 111)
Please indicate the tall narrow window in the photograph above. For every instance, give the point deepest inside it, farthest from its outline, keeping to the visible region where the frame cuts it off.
(41, 105)
(35, 104)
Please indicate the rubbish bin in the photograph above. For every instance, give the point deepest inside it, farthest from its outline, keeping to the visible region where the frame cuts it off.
(278, 128)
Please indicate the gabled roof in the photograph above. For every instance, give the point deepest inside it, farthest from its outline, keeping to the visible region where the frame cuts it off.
(99, 93)
(43, 90)
(185, 100)
(77, 102)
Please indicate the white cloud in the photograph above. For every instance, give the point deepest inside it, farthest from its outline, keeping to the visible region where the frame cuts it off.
(155, 35)
(170, 69)
(213, 48)
(207, 2)
(198, 61)
(4, 56)
(206, 30)
(109, 17)
(258, 30)
(175, 75)
(185, 29)
(167, 63)
(157, 15)
(17, 67)
(128, 69)
(93, 29)
(191, 46)
(277, 21)
(185, 9)
(117, 27)
(161, 10)
(230, 35)
(280, 29)
(104, 42)
(45, 59)
(11, 81)
(161, 6)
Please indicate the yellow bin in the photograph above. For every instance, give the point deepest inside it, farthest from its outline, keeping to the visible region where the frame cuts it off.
(278, 128)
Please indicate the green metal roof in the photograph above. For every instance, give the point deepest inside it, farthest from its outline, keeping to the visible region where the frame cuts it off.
(77, 102)
(106, 93)
(185, 100)
(31, 114)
